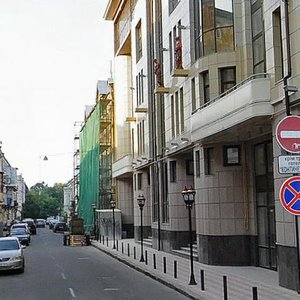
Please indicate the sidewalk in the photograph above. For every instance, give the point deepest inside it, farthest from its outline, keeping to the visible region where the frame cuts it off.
(240, 280)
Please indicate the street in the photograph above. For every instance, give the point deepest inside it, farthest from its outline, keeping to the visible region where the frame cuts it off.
(54, 271)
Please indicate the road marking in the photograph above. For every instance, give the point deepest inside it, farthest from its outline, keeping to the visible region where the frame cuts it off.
(72, 293)
(82, 258)
(63, 276)
(111, 289)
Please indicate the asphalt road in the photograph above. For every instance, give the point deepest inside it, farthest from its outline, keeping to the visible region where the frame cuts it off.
(57, 272)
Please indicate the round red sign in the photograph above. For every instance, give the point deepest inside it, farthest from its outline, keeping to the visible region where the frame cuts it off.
(288, 134)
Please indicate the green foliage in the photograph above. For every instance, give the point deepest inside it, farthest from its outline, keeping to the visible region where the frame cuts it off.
(43, 201)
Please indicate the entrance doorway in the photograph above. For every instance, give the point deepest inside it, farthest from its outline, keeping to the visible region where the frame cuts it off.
(265, 205)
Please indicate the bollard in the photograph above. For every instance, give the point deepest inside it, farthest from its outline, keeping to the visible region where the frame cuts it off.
(175, 269)
(225, 288)
(165, 265)
(134, 252)
(146, 257)
(103, 239)
(254, 293)
(117, 245)
(107, 241)
(128, 250)
(122, 248)
(202, 279)
(154, 261)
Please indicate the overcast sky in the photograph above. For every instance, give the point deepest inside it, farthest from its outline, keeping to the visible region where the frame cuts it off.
(52, 52)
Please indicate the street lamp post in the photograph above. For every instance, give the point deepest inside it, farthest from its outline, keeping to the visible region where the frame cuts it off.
(113, 206)
(189, 198)
(94, 219)
(141, 202)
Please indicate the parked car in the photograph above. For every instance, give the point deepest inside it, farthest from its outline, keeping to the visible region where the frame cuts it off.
(31, 225)
(22, 234)
(11, 254)
(52, 222)
(40, 223)
(60, 227)
(20, 225)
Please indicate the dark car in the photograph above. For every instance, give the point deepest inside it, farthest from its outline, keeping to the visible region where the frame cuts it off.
(60, 227)
(31, 225)
(22, 235)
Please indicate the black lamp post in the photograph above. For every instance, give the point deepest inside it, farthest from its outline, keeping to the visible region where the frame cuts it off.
(94, 219)
(113, 206)
(189, 198)
(141, 202)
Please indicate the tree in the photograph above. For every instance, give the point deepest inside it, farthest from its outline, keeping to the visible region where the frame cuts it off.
(43, 201)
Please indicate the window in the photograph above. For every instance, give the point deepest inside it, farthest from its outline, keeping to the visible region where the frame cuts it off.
(172, 117)
(165, 196)
(258, 39)
(173, 174)
(139, 79)
(172, 5)
(208, 161)
(171, 51)
(138, 41)
(193, 93)
(176, 113)
(204, 87)
(181, 103)
(213, 26)
(277, 42)
(197, 162)
(189, 167)
(141, 137)
(227, 76)
(139, 180)
(231, 155)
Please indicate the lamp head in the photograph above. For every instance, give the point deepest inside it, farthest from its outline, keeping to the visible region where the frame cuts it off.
(188, 195)
(141, 200)
(113, 204)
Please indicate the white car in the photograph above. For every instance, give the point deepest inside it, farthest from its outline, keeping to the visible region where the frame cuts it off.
(11, 254)
(21, 225)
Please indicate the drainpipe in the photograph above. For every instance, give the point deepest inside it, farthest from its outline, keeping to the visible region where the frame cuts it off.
(288, 112)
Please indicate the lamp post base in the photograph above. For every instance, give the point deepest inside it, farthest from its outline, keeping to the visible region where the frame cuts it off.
(142, 259)
(192, 280)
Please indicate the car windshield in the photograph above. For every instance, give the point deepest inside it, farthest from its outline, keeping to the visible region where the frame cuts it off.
(17, 231)
(9, 245)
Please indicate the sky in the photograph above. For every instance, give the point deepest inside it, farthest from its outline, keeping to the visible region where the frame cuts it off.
(52, 53)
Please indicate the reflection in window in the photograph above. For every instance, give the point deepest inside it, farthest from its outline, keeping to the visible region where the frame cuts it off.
(138, 36)
(217, 26)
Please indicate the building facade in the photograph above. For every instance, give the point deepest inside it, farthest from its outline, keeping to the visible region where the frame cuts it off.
(206, 84)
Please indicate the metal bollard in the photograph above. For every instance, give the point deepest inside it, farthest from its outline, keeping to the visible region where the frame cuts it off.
(165, 265)
(202, 279)
(225, 287)
(146, 257)
(117, 245)
(254, 293)
(175, 269)
(134, 252)
(154, 261)
(103, 239)
(128, 250)
(122, 248)
(107, 241)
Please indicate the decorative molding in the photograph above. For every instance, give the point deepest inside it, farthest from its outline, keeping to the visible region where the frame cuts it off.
(180, 73)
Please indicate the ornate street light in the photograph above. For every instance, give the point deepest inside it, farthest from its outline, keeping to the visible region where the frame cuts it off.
(189, 198)
(113, 206)
(141, 202)
(94, 219)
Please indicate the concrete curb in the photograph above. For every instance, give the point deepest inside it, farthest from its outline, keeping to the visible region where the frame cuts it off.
(147, 273)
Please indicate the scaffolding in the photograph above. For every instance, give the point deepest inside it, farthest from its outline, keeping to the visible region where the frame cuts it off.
(105, 96)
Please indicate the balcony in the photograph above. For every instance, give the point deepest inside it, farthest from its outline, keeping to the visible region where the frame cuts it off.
(122, 167)
(248, 100)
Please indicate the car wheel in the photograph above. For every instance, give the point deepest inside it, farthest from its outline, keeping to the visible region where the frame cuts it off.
(22, 269)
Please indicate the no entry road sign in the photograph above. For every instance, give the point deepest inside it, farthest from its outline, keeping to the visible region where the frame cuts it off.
(288, 134)
(289, 195)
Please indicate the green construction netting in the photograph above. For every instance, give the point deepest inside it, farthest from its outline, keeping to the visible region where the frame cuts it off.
(89, 168)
